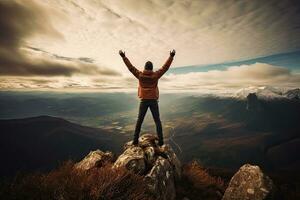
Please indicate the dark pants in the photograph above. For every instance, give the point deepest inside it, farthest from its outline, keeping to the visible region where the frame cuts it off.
(144, 104)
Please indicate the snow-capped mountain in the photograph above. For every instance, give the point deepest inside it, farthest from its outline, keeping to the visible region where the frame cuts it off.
(293, 94)
(268, 92)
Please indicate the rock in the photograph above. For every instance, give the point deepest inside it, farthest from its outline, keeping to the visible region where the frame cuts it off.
(173, 159)
(159, 165)
(149, 144)
(146, 140)
(253, 103)
(133, 159)
(127, 145)
(160, 180)
(150, 155)
(94, 159)
(249, 183)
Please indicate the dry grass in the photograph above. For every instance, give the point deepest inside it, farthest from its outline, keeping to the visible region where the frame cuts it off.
(200, 177)
(105, 183)
(67, 183)
(197, 183)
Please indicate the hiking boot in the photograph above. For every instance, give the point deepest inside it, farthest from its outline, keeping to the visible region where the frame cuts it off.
(162, 148)
(135, 144)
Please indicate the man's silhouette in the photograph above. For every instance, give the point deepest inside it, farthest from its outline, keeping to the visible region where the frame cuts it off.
(148, 93)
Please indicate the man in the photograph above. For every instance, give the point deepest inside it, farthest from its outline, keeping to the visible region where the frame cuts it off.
(148, 93)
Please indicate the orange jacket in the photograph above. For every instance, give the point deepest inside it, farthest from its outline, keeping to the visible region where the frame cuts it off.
(148, 79)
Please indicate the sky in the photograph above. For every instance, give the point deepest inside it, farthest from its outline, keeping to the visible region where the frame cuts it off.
(221, 45)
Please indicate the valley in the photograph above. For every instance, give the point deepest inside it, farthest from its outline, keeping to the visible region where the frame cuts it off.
(218, 132)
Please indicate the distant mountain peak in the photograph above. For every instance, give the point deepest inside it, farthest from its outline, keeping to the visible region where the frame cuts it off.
(293, 94)
(252, 102)
(268, 93)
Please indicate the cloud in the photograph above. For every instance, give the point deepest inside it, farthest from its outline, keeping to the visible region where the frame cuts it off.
(21, 20)
(203, 32)
(236, 77)
(213, 82)
(78, 41)
(104, 83)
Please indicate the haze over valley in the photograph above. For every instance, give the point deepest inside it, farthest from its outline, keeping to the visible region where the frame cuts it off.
(222, 132)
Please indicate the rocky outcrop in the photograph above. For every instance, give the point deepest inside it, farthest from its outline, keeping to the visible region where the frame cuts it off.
(253, 103)
(249, 183)
(133, 159)
(94, 159)
(161, 171)
(159, 166)
(160, 180)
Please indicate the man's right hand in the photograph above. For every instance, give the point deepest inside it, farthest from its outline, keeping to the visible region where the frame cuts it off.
(172, 53)
(122, 53)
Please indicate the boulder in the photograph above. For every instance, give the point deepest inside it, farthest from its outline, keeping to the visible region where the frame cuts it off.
(173, 159)
(133, 159)
(146, 140)
(149, 144)
(94, 159)
(150, 155)
(159, 165)
(160, 180)
(249, 183)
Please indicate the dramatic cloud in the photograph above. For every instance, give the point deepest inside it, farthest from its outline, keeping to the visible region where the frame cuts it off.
(202, 31)
(74, 44)
(233, 78)
(21, 20)
(215, 81)
(70, 83)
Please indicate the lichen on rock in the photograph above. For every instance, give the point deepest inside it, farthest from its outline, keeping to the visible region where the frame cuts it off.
(249, 183)
(161, 180)
(95, 158)
(159, 166)
(133, 159)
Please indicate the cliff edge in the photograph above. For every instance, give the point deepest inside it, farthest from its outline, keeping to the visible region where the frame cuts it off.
(159, 166)
(161, 171)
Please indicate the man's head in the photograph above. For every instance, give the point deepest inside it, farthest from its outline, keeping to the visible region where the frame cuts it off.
(148, 65)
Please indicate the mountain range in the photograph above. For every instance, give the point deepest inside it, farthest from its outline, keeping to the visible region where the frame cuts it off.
(268, 92)
(219, 132)
(25, 142)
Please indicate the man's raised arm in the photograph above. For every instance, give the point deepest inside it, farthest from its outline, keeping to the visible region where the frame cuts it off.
(131, 68)
(167, 64)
